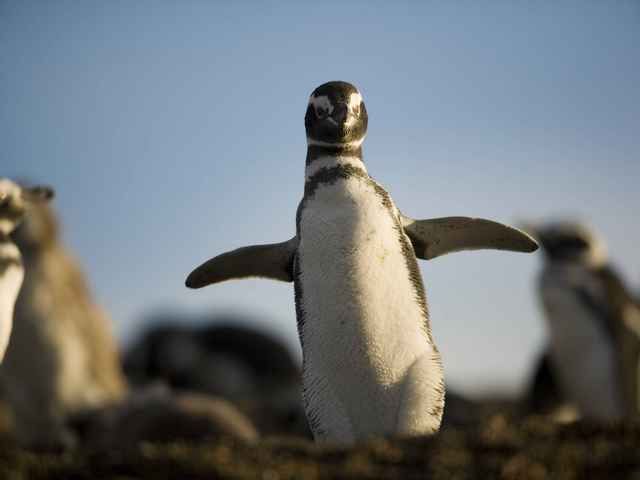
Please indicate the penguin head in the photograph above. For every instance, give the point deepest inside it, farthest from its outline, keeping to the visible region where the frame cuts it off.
(15, 200)
(570, 241)
(336, 116)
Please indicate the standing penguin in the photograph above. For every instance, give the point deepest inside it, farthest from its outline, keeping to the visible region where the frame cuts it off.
(370, 365)
(62, 357)
(593, 323)
(14, 202)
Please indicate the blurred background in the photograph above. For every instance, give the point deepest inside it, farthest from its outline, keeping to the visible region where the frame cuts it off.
(173, 131)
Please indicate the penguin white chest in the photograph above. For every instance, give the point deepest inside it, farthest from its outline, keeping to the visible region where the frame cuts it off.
(364, 320)
(10, 283)
(582, 351)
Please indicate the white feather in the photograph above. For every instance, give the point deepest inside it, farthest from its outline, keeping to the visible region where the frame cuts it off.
(320, 143)
(364, 329)
(10, 283)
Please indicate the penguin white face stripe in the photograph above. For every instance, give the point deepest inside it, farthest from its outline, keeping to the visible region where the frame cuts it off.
(331, 161)
(321, 102)
(355, 100)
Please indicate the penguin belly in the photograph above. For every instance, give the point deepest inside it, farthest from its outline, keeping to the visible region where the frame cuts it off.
(10, 283)
(369, 365)
(582, 353)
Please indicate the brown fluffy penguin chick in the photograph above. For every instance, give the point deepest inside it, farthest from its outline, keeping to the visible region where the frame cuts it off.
(62, 357)
(156, 415)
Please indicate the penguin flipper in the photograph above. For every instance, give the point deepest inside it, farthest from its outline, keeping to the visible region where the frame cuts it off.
(439, 236)
(273, 261)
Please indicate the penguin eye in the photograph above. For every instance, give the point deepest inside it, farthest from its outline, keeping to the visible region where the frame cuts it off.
(321, 112)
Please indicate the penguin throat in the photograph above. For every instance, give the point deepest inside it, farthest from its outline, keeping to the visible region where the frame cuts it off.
(346, 145)
(316, 150)
(332, 160)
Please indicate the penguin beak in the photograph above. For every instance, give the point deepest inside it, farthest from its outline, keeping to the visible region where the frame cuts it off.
(39, 193)
(340, 113)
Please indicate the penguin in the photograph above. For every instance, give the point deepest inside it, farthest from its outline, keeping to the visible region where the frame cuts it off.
(225, 356)
(62, 357)
(244, 359)
(370, 363)
(593, 323)
(14, 202)
(156, 414)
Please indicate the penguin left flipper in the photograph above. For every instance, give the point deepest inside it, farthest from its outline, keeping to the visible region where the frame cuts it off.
(273, 261)
(438, 236)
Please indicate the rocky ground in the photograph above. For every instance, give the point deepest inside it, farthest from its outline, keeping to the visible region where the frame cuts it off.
(498, 446)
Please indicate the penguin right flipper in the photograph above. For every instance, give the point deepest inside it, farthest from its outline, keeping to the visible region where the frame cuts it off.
(273, 261)
(439, 236)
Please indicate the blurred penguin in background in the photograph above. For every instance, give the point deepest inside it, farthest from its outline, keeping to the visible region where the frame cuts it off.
(158, 415)
(62, 357)
(593, 357)
(226, 358)
(15, 201)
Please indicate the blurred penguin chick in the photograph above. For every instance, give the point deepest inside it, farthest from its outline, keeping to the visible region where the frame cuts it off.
(155, 414)
(220, 356)
(62, 356)
(593, 324)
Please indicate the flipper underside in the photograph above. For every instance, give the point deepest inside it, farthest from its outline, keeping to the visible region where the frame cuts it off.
(273, 261)
(439, 236)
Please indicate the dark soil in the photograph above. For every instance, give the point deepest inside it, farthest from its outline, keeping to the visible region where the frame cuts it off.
(497, 447)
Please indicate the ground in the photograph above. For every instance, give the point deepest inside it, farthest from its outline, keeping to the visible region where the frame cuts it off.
(498, 446)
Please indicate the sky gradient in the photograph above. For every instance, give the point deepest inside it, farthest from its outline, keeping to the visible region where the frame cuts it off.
(173, 131)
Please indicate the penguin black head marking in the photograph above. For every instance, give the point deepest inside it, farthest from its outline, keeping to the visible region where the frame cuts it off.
(336, 116)
(571, 241)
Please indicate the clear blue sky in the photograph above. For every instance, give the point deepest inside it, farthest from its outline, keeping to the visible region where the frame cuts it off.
(173, 131)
